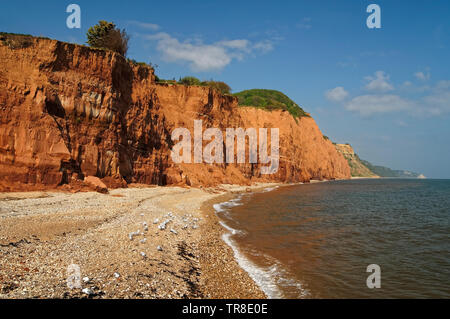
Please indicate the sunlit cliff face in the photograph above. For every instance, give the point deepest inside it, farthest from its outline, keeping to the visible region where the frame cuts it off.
(68, 112)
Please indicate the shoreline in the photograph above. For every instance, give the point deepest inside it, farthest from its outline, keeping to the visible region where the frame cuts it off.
(268, 276)
(239, 270)
(43, 233)
(224, 278)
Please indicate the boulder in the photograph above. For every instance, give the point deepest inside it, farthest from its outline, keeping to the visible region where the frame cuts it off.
(97, 184)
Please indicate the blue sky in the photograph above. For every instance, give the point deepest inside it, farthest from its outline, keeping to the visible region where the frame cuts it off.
(385, 91)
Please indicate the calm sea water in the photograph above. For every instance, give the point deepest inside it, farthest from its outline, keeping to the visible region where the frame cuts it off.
(316, 240)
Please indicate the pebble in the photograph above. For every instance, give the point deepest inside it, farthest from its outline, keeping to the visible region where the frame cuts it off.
(116, 274)
(173, 231)
(143, 254)
(86, 279)
(143, 240)
(162, 226)
(132, 234)
(87, 291)
(156, 221)
(159, 248)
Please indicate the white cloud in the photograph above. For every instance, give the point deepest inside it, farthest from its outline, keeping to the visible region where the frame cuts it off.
(145, 25)
(236, 44)
(367, 105)
(407, 84)
(435, 103)
(264, 46)
(206, 57)
(438, 101)
(337, 94)
(423, 76)
(379, 82)
(429, 100)
(443, 85)
(410, 87)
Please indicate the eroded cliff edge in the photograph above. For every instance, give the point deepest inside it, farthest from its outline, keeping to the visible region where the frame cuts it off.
(357, 167)
(68, 111)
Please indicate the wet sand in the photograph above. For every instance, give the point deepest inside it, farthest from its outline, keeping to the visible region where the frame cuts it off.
(156, 242)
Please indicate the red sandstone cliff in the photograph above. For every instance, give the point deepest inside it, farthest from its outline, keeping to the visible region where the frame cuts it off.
(68, 111)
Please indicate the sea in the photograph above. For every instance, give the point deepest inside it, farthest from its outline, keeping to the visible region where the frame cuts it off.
(317, 240)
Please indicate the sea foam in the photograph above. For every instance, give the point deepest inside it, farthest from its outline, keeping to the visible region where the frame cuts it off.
(268, 278)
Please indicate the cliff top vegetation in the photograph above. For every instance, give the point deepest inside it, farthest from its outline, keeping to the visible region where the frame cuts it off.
(270, 100)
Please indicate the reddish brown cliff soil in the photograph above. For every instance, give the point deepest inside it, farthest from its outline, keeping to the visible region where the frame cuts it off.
(68, 112)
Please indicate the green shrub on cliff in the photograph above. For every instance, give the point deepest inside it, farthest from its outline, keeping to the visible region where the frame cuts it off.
(220, 86)
(16, 40)
(163, 81)
(189, 80)
(269, 100)
(106, 35)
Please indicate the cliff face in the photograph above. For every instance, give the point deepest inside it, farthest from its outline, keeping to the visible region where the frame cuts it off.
(357, 167)
(68, 112)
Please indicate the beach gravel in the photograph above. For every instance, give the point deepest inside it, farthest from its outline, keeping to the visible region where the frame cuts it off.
(45, 235)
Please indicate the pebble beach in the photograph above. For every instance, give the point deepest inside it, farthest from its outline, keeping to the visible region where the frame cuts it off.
(142, 242)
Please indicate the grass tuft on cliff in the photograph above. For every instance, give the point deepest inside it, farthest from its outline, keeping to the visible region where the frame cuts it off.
(220, 86)
(269, 100)
(17, 40)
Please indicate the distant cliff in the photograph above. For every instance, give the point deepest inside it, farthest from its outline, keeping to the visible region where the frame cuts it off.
(357, 167)
(69, 112)
(387, 172)
(362, 168)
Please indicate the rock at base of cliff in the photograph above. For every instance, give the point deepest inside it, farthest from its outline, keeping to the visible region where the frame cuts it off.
(97, 184)
(114, 182)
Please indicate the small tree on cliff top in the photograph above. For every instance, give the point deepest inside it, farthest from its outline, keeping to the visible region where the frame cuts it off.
(222, 87)
(190, 80)
(106, 35)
